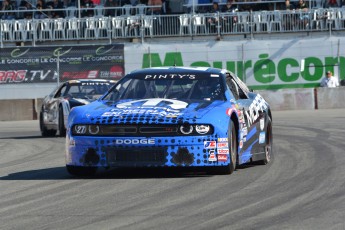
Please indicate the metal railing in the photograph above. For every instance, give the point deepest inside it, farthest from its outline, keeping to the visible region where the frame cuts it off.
(143, 26)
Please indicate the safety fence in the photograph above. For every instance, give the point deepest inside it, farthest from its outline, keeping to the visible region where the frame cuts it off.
(179, 25)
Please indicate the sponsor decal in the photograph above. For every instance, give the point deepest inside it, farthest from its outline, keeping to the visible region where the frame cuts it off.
(252, 114)
(170, 76)
(16, 53)
(134, 141)
(90, 74)
(262, 124)
(223, 151)
(212, 156)
(148, 107)
(222, 145)
(241, 144)
(229, 111)
(223, 139)
(245, 131)
(262, 137)
(222, 157)
(210, 144)
(172, 105)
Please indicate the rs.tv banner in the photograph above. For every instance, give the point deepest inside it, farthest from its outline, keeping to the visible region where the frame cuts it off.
(46, 64)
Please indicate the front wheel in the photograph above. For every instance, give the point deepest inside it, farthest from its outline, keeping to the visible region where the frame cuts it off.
(44, 131)
(268, 143)
(232, 139)
(62, 129)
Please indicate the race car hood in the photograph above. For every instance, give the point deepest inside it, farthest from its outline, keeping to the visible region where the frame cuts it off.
(147, 110)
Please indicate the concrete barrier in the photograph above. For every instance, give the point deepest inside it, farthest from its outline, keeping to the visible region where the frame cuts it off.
(330, 98)
(282, 99)
(289, 99)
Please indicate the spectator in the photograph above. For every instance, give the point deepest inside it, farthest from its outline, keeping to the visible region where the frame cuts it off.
(301, 5)
(288, 5)
(40, 14)
(303, 19)
(331, 3)
(7, 6)
(213, 21)
(155, 10)
(230, 7)
(329, 81)
(87, 4)
(110, 4)
(230, 20)
(288, 19)
(28, 14)
(56, 4)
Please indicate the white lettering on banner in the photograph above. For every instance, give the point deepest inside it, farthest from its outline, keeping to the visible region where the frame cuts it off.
(23, 75)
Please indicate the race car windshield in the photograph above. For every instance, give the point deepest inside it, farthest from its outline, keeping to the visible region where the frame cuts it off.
(182, 89)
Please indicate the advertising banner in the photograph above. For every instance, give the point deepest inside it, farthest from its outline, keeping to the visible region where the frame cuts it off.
(47, 64)
(262, 64)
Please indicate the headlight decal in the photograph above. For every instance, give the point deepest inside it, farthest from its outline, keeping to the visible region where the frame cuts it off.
(141, 130)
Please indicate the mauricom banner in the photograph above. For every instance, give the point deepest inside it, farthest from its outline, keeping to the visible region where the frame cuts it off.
(46, 64)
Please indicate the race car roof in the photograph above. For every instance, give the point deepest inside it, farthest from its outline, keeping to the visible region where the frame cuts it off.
(89, 81)
(177, 70)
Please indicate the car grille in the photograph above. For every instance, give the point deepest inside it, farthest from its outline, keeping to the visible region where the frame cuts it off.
(139, 130)
(148, 156)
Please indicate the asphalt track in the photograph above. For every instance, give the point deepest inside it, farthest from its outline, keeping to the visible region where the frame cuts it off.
(302, 188)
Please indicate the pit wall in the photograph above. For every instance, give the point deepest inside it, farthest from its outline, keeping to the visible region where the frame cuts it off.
(282, 99)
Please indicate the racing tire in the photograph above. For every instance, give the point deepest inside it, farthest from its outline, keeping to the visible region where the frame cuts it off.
(268, 143)
(232, 140)
(81, 171)
(62, 129)
(44, 131)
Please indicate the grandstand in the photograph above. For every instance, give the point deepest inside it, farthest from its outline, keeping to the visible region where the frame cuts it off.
(259, 41)
(127, 22)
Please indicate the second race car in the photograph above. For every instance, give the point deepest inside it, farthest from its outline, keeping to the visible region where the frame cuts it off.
(57, 105)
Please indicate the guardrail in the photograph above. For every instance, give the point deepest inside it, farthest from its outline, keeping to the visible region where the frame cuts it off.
(177, 25)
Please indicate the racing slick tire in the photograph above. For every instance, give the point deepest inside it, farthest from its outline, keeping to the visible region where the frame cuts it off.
(268, 143)
(44, 131)
(232, 140)
(80, 170)
(62, 129)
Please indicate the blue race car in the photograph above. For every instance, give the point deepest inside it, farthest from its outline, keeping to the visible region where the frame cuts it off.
(171, 117)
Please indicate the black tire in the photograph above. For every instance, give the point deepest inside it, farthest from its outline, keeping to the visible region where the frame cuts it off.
(44, 131)
(268, 143)
(81, 171)
(232, 139)
(62, 129)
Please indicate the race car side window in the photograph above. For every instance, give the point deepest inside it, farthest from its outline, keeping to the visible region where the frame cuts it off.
(232, 86)
(236, 89)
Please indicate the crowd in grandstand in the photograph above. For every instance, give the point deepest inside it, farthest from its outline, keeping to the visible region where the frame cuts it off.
(40, 9)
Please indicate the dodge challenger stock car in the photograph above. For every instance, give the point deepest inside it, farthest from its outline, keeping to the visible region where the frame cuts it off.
(57, 105)
(171, 117)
